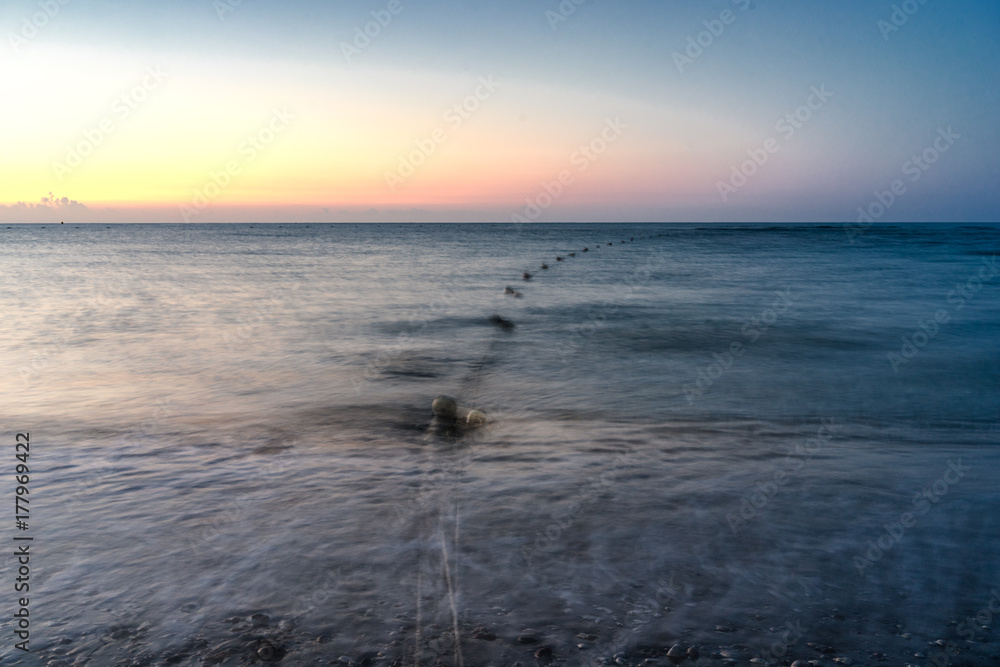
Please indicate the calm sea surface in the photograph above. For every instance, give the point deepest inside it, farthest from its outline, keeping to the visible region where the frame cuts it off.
(761, 441)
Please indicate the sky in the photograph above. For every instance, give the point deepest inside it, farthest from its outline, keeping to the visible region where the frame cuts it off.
(521, 110)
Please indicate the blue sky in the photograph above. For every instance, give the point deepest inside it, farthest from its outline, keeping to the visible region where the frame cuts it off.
(892, 88)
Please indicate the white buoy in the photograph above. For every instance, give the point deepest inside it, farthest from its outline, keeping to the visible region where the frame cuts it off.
(476, 418)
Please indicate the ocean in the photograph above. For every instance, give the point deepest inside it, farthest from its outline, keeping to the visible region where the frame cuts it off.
(774, 442)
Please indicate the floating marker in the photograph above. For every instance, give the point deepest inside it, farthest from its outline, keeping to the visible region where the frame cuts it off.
(446, 407)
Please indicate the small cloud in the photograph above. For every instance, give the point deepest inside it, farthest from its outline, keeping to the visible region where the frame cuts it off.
(46, 205)
(50, 201)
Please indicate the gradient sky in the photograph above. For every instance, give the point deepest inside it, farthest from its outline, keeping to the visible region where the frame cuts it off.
(338, 125)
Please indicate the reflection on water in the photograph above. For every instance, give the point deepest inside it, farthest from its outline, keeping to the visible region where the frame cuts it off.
(697, 437)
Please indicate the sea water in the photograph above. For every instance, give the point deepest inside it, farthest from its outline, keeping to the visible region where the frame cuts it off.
(762, 441)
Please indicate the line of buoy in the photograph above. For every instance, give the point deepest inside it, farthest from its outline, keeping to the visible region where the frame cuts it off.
(445, 408)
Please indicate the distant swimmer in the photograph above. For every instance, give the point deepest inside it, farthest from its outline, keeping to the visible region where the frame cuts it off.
(586, 249)
(572, 254)
(510, 291)
(545, 266)
(526, 275)
(558, 259)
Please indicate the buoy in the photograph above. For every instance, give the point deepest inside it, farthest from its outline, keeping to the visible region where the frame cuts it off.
(506, 325)
(446, 407)
(476, 418)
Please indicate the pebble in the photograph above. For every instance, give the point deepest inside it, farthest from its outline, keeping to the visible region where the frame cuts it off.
(587, 636)
(693, 653)
(677, 654)
(527, 639)
(260, 619)
(267, 653)
(543, 653)
(842, 661)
